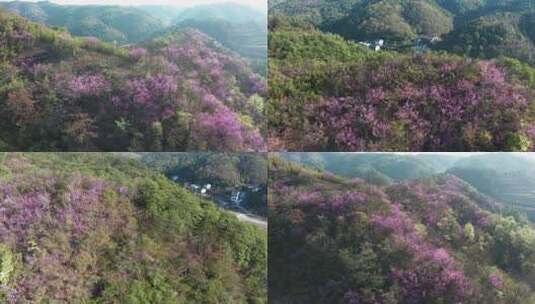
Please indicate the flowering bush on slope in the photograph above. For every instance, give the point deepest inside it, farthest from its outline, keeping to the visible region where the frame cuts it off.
(41, 226)
(480, 111)
(357, 100)
(339, 240)
(117, 233)
(149, 97)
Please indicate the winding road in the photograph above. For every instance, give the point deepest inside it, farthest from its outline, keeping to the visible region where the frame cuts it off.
(242, 216)
(261, 223)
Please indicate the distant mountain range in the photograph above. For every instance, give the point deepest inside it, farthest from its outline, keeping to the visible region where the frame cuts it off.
(109, 23)
(508, 178)
(238, 27)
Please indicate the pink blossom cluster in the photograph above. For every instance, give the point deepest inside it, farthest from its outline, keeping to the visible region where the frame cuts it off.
(88, 86)
(221, 130)
(21, 36)
(154, 98)
(447, 112)
(137, 53)
(40, 217)
(432, 273)
(496, 280)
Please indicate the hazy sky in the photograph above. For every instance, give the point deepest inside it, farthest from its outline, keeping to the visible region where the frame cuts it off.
(260, 4)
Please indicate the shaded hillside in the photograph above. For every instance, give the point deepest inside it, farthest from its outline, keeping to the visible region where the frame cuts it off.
(364, 20)
(491, 36)
(181, 91)
(225, 169)
(247, 38)
(393, 21)
(509, 179)
(329, 94)
(345, 241)
(230, 12)
(95, 228)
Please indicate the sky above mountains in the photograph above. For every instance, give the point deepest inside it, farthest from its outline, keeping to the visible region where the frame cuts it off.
(259, 4)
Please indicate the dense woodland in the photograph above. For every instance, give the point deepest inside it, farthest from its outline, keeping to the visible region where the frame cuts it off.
(470, 90)
(105, 228)
(343, 240)
(180, 91)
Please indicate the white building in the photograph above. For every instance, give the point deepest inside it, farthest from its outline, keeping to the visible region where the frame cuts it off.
(236, 197)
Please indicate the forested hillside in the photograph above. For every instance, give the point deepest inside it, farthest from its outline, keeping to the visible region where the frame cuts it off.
(247, 38)
(509, 179)
(96, 228)
(341, 240)
(223, 168)
(332, 94)
(471, 27)
(238, 27)
(179, 91)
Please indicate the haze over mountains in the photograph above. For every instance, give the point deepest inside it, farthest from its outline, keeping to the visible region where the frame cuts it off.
(508, 178)
(238, 27)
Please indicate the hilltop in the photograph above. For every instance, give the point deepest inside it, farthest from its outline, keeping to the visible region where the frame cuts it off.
(505, 177)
